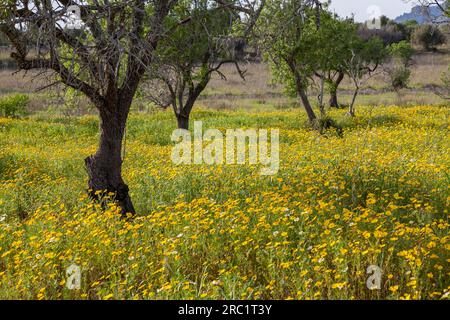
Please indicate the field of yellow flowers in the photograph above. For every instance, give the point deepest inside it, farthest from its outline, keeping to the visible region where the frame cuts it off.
(377, 196)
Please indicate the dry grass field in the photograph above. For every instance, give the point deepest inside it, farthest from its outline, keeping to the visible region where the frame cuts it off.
(258, 90)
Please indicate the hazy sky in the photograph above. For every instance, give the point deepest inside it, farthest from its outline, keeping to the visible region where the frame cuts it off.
(389, 8)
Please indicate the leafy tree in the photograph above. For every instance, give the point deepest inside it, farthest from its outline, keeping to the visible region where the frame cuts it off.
(366, 57)
(189, 58)
(444, 6)
(107, 64)
(429, 36)
(287, 35)
(410, 27)
(333, 41)
(399, 70)
(402, 51)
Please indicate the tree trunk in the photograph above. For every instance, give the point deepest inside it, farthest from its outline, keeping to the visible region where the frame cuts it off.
(301, 92)
(333, 99)
(333, 93)
(308, 108)
(351, 109)
(183, 121)
(321, 94)
(104, 168)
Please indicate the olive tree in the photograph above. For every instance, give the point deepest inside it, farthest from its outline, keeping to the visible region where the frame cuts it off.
(429, 37)
(188, 59)
(366, 57)
(398, 70)
(333, 42)
(106, 60)
(284, 33)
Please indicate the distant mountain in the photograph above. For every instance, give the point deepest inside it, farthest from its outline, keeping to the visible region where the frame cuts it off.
(423, 15)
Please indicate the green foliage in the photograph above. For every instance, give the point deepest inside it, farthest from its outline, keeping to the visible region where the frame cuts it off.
(429, 37)
(367, 56)
(371, 51)
(401, 56)
(296, 43)
(333, 41)
(191, 54)
(402, 51)
(192, 40)
(301, 42)
(396, 30)
(14, 106)
(288, 41)
(410, 27)
(400, 77)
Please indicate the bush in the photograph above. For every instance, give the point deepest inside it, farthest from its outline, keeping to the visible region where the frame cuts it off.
(388, 34)
(399, 72)
(400, 77)
(429, 36)
(402, 51)
(14, 105)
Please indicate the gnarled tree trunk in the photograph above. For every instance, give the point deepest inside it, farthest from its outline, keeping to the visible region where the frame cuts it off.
(307, 105)
(351, 108)
(185, 110)
(333, 92)
(333, 99)
(104, 168)
(301, 90)
(183, 121)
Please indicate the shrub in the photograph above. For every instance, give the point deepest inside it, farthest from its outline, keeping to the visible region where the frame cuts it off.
(14, 105)
(387, 34)
(402, 51)
(429, 36)
(400, 77)
(399, 71)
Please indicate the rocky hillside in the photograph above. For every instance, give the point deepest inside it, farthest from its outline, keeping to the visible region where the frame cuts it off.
(423, 15)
